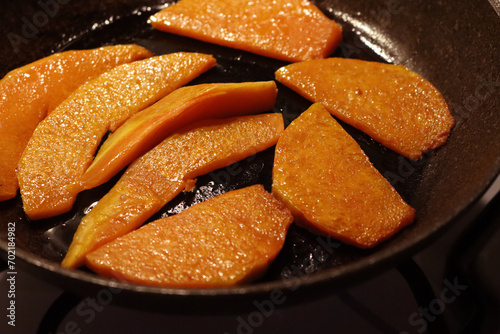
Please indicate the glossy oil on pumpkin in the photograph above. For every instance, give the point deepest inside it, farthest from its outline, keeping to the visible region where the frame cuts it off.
(63, 144)
(184, 106)
(290, 30)
(327, 181)
(395, 106)
(158, 176)
(29, 93)
(229, 239)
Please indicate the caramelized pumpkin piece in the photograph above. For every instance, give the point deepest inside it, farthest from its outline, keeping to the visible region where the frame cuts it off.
(184, 106)
(290, 30)
(30, 92)
(162, 173)
(327, 181)
(63, 145)
(226, 240)
(390, 103)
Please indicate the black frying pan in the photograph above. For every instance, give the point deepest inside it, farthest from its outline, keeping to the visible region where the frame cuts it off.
(454, 44)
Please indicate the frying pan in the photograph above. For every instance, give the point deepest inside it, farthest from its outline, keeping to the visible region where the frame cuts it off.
(454, 44)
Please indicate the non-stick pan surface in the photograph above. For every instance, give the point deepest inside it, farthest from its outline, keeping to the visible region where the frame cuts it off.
(454, 44)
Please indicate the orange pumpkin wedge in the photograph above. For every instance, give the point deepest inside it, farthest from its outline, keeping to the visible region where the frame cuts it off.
(29, 93)
(328, 183)
(395, 106)
(290, 30)
(227, 240)
(63, 144)
(186, 105)
(158, 176)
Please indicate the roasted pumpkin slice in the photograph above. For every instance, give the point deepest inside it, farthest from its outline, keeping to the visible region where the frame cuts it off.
(327, 181)
(227, 240)
(162, 173)
(63, 144)
(29, 93)
(184, 106)
(290, 30)
(390, 103)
